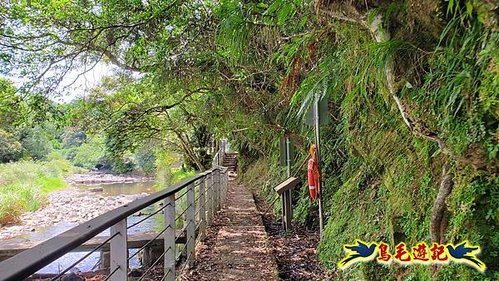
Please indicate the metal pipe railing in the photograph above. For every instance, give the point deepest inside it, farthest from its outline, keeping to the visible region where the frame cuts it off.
(211, 189)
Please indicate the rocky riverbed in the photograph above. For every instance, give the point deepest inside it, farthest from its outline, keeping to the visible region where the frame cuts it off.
(67, 206)
(96, 177)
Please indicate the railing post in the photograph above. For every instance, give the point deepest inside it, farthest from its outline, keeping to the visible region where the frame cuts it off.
(216, 189)
(219, 189)
(191, 225)
(222, 189)
(119, 252)
(213, 194)
(209, 198)
(225, 186)
(202, 207)
(169, 238)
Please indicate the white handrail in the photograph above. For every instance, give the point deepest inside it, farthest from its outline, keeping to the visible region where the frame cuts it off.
(28, 262)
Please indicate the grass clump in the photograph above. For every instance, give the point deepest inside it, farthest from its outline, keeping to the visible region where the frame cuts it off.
(24, 185)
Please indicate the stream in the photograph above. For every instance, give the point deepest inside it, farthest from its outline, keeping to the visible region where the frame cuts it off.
(109, 196)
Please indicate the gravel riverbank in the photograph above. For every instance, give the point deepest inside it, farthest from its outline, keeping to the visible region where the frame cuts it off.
(66, 206)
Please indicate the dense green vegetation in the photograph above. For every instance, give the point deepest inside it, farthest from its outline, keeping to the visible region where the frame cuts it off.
(24, 185)
(411, 150)
(42, 141)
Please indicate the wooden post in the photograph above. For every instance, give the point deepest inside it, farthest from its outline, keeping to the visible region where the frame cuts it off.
(202, 207)
(169, 238)
(119, 252)
(287, 212)
(284, 190)
(191, 224)
(209, 198)
(283, 211)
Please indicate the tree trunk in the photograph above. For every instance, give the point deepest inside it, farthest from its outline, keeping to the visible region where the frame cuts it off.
(438, 222)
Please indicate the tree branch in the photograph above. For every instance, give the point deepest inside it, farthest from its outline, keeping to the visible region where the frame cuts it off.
(437, 223)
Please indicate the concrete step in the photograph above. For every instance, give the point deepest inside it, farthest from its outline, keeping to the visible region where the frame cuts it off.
(230, 161)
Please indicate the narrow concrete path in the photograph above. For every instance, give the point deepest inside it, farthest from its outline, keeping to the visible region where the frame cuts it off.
(236, 246)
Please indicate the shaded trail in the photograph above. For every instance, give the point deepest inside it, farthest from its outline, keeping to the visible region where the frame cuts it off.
(236, 246)
(295, 249)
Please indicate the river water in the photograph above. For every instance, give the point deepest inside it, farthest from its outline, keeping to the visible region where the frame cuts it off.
(154, 223)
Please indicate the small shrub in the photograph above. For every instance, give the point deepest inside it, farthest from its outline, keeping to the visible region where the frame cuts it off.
(9, 208)
(10, 148)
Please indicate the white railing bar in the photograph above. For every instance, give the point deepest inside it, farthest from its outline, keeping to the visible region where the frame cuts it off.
(212, 191)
